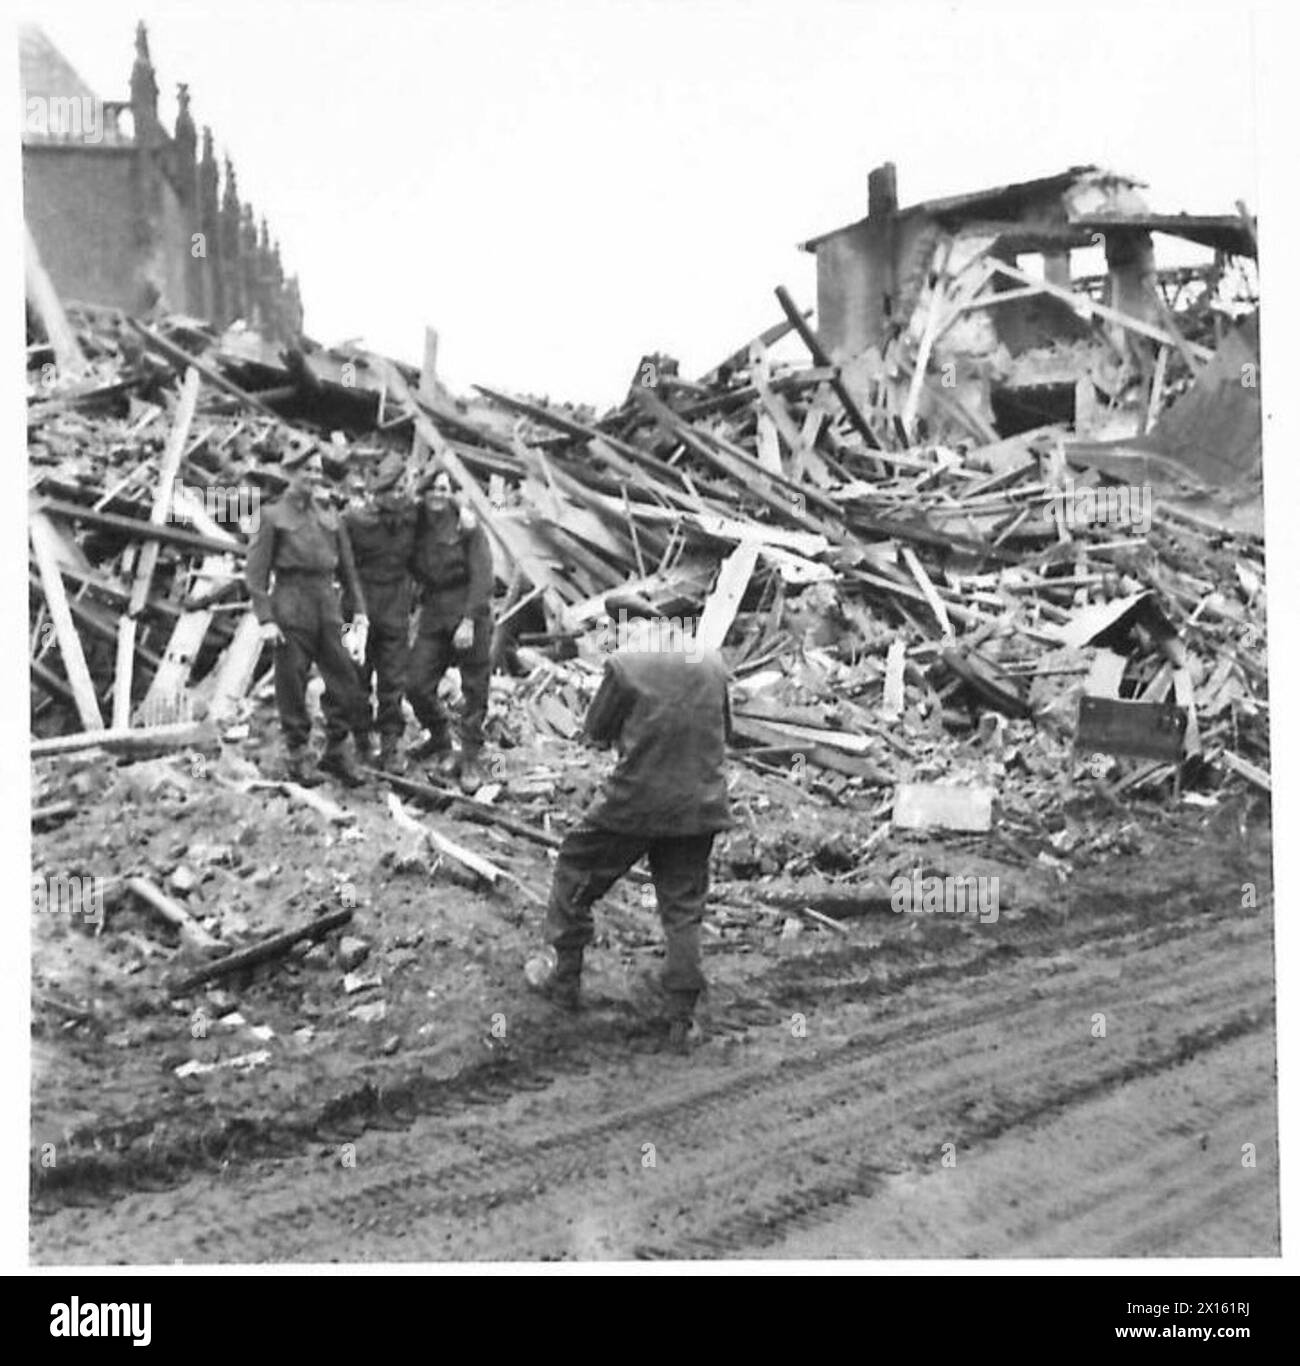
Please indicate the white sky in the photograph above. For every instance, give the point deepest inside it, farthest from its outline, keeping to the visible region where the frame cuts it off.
(560, 187)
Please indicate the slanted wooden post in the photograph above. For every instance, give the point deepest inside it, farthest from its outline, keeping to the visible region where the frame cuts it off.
(162, 502)
(45, 543)
(427, 389)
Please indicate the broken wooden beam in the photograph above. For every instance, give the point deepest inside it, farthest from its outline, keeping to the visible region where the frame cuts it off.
(825, 921)
(178, 356)
(820, 357)
(466, 807)
(723, 602)
(134, 526)
(138, 737)
(467, 858)
(932, 598)
(1245, 769)
(168, 468)
(306, 796)
(273, 947)
(1085, 306)
(162, 905)
(45, 544)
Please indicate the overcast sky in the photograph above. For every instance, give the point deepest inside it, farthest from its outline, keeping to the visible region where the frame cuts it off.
(560, 187)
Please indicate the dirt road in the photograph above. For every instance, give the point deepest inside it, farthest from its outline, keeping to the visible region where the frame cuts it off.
(1082, 1078)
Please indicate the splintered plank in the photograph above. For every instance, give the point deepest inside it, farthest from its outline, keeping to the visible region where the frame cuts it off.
(769, 444)
(45, 545)
(233, 674)
(1082, 304)
(745, 472)
(309, 797)
(1158, 388)
(168, 468)
(1246, 769)
(180, 357)
(428, 389)
(775, 409)
(167, 909)
(467, 858)
(893, 701)
(932, 598)
(818, 353)
(139, 738)
(723, 603)
(168, 688)
(274, 947)
(928, 334)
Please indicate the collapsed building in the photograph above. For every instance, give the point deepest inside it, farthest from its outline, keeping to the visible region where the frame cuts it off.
(979, 289)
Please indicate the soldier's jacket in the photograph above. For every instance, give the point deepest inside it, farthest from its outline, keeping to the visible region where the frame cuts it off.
(669, 716)
(382, 543)
(452, 563)
(299, 536)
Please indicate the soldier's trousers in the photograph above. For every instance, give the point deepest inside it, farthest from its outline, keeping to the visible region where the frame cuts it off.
(306, 609)
(431, 656)
(591, 860)
(388, 651)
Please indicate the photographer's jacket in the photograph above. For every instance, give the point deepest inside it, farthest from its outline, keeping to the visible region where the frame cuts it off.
(668, 715)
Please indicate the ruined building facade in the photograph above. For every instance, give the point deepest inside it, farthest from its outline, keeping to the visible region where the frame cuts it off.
(944, 279)
(130, 215)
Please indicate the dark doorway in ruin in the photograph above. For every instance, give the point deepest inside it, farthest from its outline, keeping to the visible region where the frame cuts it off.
(1028, 406)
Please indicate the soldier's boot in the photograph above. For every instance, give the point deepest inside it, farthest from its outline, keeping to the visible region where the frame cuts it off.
(298, 769)
(676, 1008)
(337, 762)
(683, 1032)
(683, 1035)
(562, 988)
(470, 772)
(391, 758)
(435, 747)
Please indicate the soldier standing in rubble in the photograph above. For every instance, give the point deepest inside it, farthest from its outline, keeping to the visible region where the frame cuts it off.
(452, 567)
(666, 711)
(382, 535)
(304, 545)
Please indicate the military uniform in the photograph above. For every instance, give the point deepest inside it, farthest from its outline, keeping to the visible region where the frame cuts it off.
(452, 566)
(306, 547)
(382, 540)
(669, 716)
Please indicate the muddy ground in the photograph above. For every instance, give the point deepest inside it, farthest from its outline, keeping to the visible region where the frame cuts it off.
(1079, 1078)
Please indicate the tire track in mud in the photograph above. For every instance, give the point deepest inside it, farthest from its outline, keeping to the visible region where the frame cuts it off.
(107, 1162)
(1148, 1169)
(825, 1117)
(747, 1156)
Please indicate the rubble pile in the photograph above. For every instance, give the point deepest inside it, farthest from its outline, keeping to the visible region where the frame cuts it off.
(893, 609)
